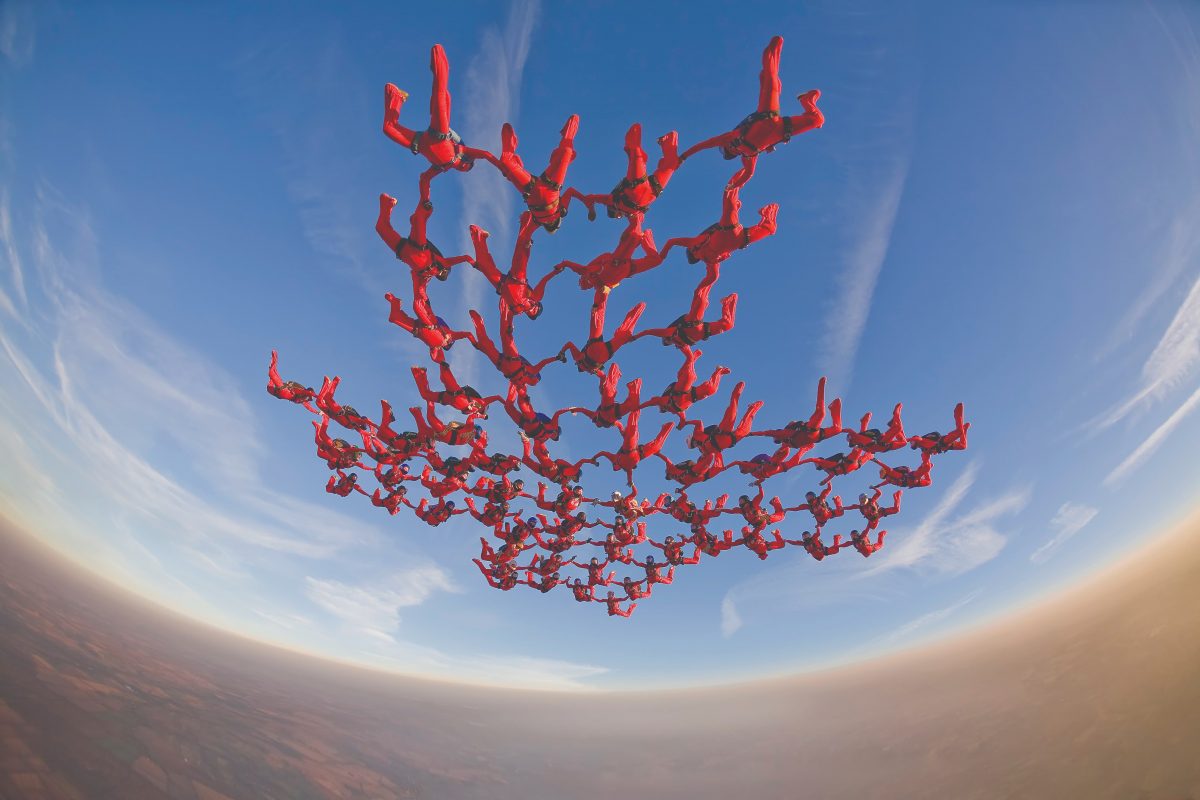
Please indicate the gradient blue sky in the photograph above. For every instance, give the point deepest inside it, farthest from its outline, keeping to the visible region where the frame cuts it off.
(1003, 209)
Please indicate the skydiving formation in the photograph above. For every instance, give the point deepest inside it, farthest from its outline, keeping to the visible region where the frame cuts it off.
(557, 538)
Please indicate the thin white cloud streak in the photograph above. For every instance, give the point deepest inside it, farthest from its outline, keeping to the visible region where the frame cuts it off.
(925, 620)
(492, 97)
(1069, 520)
(374, 609)
(847, 317)
(17, 32)
(12, 262)
(1171, 362)
(951, 545)
(731, 621)
(119, 386)
(1152, 442)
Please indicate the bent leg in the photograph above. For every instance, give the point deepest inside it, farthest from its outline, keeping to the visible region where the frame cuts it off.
(383, 225)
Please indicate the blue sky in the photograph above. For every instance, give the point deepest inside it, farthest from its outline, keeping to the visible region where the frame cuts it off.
(1002, 209)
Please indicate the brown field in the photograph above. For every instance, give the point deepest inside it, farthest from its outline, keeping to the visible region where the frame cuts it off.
(1095, 694)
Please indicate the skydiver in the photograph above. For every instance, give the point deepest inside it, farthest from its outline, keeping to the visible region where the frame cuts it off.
(433, 332)
(752, 511)
(439, 144)
(634, 193)
(630, 453)
(819, 507)
(813, 545)
(499, 576)
(876, 442)
(460, 398)
(627, 533)
(556, 470)
(673, 552)
(568, 500)
(614, 605)
(404, 444)
(870, 509)
(516, 295)
(606, 271)
(511, 364)
(718, 241)
(346, 416)
(544, 583)
(906, 477)
(288, 390)
(535, 424)
(435, 514)
(763, 466)
(337, 453)
(391, 501)
(449, 433)
(633, 589)
(415, 250)
(493, 513)
(934, 443)
(344, 484)
(728, 432)
(862, 542)
(613, 549)
(839, 463)
(652, 571)
(609, 410)
(685, 332)
(804, 434)
(597, 351)
(583, 592)
(754, 541)
(680, 395)
(543, 194)
(765, 129)
(595, 571)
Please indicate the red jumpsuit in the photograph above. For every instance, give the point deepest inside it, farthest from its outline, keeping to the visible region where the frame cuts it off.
(415, 250)
(537, 426)
(337, 453)
(839, 463)
(289, 390)
(596, 351)
(583, 592)
(452, 433)
(344, 484)
(634, 194)
(492, 515)
(819, 507)
(680, 395)
(906, 477)
(652, 574)
(630, 454)
(613, 549)
(390, 501)
(609, 411)
(436, 514)
(764, 466)
(556, 470)
(595, 571)
(862, 542)
(803, 434)
(684, 332)
(543, 194)
(725, 434)
(432, 332)
(614, 606)
(718, 241)
(516, 295)
(753, 539)
(870, 509)
(346, 416)
(763, 130)
(511, 364)
(815, 547)
(439, 144)
(499, 576)
(935, 443)
(873, 440)
(606, 271)
(460, 398)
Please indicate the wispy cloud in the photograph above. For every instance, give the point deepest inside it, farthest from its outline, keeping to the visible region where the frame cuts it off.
(947, 544)
(17, 32)
(375, 608)
(493, 97)
(731, 621)
(116, 388)
(925, 620)
(1152, 442)
(1069, 520)
(1171, 363)
(18, 302)
(847, 316)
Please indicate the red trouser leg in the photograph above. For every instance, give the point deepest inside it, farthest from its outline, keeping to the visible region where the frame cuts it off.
(637, 156)
(564, 154)
(439, 99)
(383, 225)
(768, 79)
